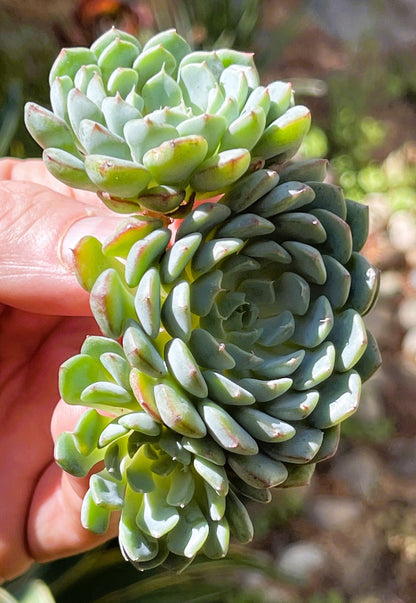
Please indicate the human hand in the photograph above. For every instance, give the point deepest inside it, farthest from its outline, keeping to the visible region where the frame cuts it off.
(44, 317)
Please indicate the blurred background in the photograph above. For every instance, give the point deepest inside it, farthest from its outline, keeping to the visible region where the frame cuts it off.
(351, 535)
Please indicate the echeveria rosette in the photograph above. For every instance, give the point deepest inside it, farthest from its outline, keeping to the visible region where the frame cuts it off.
(232, 350)
(228, 360)
(151, 127)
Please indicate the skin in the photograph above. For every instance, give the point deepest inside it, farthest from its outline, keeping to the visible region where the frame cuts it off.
(44, 318)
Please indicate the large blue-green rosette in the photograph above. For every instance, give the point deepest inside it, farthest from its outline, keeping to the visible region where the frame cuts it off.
(231, 350)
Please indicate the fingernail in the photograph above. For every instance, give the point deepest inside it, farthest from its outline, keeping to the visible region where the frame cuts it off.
(100, 227)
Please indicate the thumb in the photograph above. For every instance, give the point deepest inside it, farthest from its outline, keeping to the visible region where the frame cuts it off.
(38, 229)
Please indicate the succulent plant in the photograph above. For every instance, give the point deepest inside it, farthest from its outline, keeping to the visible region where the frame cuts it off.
(232, 349)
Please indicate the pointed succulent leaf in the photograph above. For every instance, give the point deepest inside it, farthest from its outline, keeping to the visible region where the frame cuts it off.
(202, 56)
(284, 133)
(303, 170)
(358, 221)
(259, 98)
(87, 271)
(264, 391)
(338, 242)
(228, 109)
(215, 503)
(338, 399)
(143, 134)
(349, 336)
(119, 53)
(117, 113)
(70, 60)
(307, 261)
(178, 256)
(176, 311)
(205, 448)
(313, 327)
(47, 129)
(149, 62)
(300, 449)
(174, 161)
(83, 76)
(101, 43)
(182, 487)
(220, 170)
(178, 412)
(111, 303)
(225, 430)
(317, 366)
(300, 226)
(337, 285)
(134, 544)
(281, 365)
(121, 81)
(172, 42)
(128, 232)
(94, 517)
(224, 390)
(196, 80)
(142, 386)
(88, 429)
(246, 226)
(293, 406)
(262, 426)
(107, 394)
(299, 475)
(140, 421)
(67, 169)
(95, 90)
(258, 471)
(161, 199)
(214, 474)
(238, 519)
(328, 196)
(81, 107)
(250, 189)
(160, 91)
(284, 197)
(60, 89)
(365, 281)
(234, 83)
(106, 492)
(210, 127)
(280, 94)
(209, 352)
(183, 366)
(245, 131)
(329, 444)
(370, 360)
(96, 139)
(190, 534)
(70, 459)
(144, 253)
(155, 517)
(141, 352)
(118, 177)
(147, 302)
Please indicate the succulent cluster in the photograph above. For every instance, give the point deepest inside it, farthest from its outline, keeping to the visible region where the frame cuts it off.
(232, 350)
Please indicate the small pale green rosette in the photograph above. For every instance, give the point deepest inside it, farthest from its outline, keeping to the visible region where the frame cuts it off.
(231, 352)
(147, 127)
